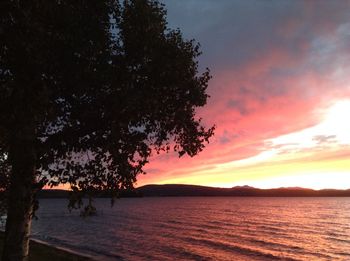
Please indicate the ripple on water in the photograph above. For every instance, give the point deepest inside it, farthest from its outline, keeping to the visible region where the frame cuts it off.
(203, 228)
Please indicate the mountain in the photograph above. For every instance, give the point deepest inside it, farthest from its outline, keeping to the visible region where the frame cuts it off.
(53, 193)
(172, 190)
(179, 190)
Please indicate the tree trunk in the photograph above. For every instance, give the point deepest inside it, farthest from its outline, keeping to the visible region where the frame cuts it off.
(21, 197)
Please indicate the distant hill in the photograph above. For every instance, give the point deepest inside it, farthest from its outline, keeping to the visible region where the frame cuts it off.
(239, 191)
(60, 193)
(178, 190)
(53, 193)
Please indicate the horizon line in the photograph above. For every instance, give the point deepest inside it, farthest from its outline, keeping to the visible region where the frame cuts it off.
(237, 186)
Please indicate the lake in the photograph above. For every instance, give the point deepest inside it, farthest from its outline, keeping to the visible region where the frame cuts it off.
(202, 228)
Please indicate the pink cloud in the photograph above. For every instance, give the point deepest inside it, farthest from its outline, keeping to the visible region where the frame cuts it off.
(275, 92)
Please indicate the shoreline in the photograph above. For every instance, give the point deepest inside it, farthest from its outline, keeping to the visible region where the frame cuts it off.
(43, 251)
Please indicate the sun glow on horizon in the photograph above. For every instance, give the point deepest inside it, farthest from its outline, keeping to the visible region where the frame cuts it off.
(316, 157)
(334, 126)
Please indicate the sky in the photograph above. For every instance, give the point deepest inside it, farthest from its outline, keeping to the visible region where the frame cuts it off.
(280, 94)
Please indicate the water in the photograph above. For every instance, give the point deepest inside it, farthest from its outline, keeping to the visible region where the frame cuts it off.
(202, 228)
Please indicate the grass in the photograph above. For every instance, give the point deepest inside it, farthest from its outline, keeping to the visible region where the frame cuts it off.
(42, 252)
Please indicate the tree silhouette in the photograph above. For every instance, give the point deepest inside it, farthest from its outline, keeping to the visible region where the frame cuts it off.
(88, 90)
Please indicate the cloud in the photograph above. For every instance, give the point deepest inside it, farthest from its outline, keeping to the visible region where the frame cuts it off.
(233, 32)
(277, 66)
(322, 139)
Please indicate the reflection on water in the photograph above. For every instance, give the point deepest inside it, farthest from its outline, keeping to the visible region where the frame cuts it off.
(203, 228)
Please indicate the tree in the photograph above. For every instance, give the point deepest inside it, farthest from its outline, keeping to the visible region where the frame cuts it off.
(88, 90)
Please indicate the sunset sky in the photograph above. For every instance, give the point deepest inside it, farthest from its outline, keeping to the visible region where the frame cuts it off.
(280, 94)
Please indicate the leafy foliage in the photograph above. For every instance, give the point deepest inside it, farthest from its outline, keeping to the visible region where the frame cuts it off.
(100, 85)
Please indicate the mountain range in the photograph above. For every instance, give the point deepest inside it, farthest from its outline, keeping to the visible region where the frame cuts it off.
(179, 190)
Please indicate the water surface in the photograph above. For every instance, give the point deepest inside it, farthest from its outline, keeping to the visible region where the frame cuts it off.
(202, 228)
